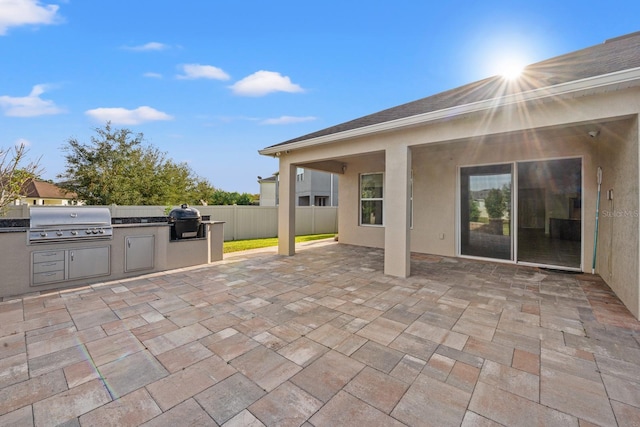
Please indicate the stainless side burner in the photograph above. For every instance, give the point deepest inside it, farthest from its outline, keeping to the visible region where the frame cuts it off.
(69, 224)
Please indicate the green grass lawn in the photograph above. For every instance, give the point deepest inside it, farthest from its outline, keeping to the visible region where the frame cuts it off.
(243, 245)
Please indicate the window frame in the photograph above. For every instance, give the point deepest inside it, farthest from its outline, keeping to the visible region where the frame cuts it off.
(370, 199)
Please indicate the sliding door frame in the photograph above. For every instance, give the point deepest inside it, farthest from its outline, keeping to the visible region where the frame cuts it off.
(514, 213)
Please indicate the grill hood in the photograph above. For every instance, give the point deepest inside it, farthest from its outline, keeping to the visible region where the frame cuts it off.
(47, 217)
(69, 223)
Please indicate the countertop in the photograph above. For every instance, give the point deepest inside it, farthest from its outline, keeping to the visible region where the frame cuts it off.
(21, 225)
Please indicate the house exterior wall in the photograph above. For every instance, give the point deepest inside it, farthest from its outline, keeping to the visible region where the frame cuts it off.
(39, 201)
(618, 245)
(268, 193)
(436, 174)
(539, 131)
(311, 184)
(435, 192)
(349, 212)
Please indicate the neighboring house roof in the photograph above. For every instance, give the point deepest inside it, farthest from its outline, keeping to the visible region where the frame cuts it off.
(44, 190)
(272, 178)
(614, 55)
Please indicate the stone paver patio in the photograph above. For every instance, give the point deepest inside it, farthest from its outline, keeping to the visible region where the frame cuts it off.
(324, 339)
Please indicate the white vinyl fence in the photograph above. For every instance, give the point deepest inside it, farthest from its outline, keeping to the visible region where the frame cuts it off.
(241, 222)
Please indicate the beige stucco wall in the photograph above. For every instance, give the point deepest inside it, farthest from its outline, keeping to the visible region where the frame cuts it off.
(349, 211)
(435, 172)
(617, 256)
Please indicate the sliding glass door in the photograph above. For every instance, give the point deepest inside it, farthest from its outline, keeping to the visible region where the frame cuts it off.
(550, 212)
(544, 228)
(485, 214)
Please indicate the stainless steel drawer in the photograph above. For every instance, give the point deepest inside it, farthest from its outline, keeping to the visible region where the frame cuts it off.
(48, 277)
(44, 256)
(45, 267)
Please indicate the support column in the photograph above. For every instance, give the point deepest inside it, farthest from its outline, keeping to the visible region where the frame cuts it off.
(397, 250)
(287, 209)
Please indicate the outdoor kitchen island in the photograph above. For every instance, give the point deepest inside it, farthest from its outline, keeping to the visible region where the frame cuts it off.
(126, 247)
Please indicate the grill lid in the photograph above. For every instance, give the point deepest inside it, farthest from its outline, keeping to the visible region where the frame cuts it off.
(184, 212)
(65, 216)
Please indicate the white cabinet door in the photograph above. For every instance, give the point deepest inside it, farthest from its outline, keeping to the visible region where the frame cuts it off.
(139, 253)
(88, 262)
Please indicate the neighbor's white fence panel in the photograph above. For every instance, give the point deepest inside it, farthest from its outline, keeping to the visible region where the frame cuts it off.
(118, 211)
(304, 220)
(316, 220)
(255, 222)
(17, 212)
(241, 222)
(244, 222)
(325, 220)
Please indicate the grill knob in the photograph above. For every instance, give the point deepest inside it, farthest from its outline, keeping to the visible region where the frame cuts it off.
(101, 231)
(74, 233)
(58, 233)
(43, 234)
(88, 231)
(94, 231)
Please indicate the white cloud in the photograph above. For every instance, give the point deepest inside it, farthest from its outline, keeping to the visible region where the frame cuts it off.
(153, 75)
(123, 116)
(263, 82)
(21, 142)
(29, 106)
(286, 120)
(197, 71)
(151, 46)
(14, 13)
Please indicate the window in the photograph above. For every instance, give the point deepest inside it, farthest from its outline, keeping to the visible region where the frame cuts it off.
(299, 174)
(304, 200)
(321, 201)
(371, 198)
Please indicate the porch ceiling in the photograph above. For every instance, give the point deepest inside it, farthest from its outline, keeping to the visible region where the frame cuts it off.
(332, 166)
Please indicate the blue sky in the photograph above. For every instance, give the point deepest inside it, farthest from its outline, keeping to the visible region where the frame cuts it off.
(212, 82)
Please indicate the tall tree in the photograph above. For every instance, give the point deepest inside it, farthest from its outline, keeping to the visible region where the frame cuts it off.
(221, 197)
(116, 167)
(14, 174)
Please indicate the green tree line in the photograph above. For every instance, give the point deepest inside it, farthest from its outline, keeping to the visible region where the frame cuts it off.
(117, 167)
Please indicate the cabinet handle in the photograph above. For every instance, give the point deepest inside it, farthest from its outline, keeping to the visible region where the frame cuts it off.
(49, 254)
(49, 274)
(71, 253)
(49, 264)
(128, 243)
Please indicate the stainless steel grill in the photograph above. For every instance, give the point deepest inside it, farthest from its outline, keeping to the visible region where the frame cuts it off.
(69, 224)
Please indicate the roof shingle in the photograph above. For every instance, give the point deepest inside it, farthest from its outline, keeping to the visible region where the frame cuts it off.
(45, 190)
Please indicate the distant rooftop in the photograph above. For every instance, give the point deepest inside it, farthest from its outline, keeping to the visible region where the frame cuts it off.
(45, 190)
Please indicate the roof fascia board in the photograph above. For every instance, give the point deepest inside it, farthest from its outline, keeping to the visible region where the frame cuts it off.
(570, 88)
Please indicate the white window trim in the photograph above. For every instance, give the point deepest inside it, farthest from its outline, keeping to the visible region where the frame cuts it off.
(361, 199)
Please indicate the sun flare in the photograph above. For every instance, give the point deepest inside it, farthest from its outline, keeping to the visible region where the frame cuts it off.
(511, 69)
